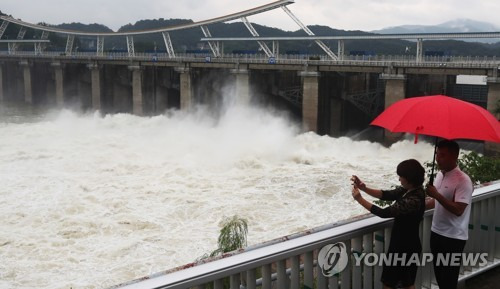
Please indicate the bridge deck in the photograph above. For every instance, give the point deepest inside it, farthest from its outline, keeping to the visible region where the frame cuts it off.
(407, 36)
(373, 64)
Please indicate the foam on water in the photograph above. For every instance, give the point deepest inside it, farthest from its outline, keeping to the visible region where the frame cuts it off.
(90, 201)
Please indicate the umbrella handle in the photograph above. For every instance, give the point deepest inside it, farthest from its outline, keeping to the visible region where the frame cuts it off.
(433, 162)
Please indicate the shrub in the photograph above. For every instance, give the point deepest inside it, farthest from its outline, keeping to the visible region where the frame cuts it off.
(232, 236)
(481, 169)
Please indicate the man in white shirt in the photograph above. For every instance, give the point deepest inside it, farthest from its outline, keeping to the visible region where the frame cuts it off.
(451, 196)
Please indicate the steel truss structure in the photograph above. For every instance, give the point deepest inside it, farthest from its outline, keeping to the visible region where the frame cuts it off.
(39, 47)
(3, 27)
(69, 44)
(215, 46)
(215, 43)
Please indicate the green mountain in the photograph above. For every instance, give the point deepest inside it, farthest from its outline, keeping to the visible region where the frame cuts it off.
(85, 27)
(189, 40)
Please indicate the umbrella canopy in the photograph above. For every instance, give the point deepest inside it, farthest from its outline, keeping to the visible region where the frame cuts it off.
(440, 116)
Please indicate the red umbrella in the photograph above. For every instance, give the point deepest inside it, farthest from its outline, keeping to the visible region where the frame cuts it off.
(440, 116)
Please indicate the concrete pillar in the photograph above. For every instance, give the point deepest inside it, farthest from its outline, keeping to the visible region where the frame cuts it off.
(492, 105)
(395, 90)
(493, 97)
(242, 85)
(95, 78)
(137, 97)
(185, 87)
(59, 83)
(28, 94)
(310, 100)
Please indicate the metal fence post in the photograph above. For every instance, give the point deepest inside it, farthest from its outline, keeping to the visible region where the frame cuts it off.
(367, 270)
(308, 270)
(378, 248)
(357, 249)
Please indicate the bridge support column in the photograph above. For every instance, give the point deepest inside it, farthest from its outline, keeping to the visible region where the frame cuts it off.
(28, 93)
(492, 105)
(95, 78)
(242, 87)
(59, 83)
(310, 100)
(186, 89)
(395, 90)
(137, 97)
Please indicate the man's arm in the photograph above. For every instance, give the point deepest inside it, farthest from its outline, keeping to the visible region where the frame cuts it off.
(429, 203)
(456, 208)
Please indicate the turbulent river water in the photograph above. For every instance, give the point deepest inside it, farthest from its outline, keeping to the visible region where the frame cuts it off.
(90, 201)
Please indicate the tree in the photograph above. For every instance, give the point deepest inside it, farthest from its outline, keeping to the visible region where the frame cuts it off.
(481, 169)
(233, 235)
(497, 109)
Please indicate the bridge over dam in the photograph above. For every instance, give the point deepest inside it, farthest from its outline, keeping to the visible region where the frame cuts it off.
(330, 96)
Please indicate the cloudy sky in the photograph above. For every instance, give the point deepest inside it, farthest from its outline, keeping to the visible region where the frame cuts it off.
(341, 14)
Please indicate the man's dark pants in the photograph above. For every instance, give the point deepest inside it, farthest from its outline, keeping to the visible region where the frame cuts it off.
(446, 276)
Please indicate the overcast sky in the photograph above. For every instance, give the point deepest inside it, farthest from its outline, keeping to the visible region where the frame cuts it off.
(341, 14)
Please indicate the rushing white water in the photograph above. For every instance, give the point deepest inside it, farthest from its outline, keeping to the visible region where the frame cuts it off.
(90, 201)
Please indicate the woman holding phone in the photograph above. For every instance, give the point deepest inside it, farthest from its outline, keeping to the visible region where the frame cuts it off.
(407, 211)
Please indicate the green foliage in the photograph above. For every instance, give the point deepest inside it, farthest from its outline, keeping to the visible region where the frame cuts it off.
(85, 27)
(382, 203)
(481, 169)
(497, 108)
(232, 236)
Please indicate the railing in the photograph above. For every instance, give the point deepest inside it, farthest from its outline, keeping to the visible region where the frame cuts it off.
(351, 60)
(291, 262)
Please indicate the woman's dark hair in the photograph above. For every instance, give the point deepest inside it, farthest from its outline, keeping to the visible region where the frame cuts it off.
(412, 171)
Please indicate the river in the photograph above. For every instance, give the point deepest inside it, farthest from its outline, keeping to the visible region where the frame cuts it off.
(90, 201)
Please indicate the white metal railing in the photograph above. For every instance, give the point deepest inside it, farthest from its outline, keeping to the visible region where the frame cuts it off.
(291, 262)
(351, 60)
